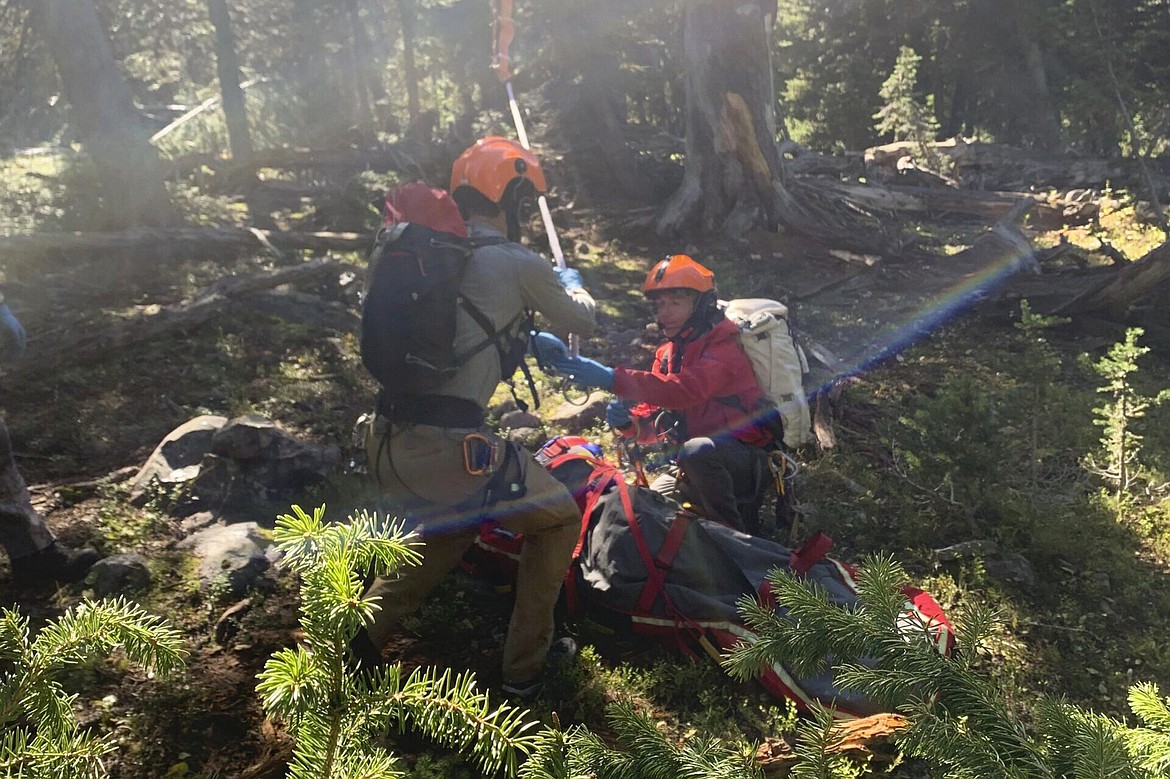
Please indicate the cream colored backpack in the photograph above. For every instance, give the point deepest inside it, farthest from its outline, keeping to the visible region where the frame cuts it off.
(777, 359)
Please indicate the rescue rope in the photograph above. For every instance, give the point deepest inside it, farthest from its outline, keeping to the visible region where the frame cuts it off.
(503, 32)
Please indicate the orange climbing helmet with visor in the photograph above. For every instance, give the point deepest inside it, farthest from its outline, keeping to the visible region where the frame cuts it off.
(678, 271)
(494, 162)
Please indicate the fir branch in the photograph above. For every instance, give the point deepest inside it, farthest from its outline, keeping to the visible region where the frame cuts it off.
(818, 741)
(1150, 746)
(449, 709)
(93, 629)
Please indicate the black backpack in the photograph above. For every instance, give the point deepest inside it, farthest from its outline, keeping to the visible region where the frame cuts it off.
(411, 307)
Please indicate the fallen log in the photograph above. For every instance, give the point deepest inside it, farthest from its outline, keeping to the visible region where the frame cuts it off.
(941, 202)
(995, 166)
(1115, 293)
(867, 740)
(83, 346)
(207, 242)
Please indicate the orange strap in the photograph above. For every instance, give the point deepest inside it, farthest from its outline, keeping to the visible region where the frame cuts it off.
(502, 33)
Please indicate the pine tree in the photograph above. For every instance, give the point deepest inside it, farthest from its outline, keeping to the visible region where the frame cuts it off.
(902, 115)
(337, 717)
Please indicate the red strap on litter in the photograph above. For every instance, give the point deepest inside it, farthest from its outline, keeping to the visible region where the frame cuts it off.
(673, 540)
(814, 549)
(654, 576)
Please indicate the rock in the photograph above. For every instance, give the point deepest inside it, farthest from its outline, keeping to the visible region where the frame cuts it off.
(503, 407)
(118, 575)
(514, 420)
(177, 458)
(241, 469)
(528, 437)
(575, 417)
(197, 521)
(230, 556)
(1011, 568)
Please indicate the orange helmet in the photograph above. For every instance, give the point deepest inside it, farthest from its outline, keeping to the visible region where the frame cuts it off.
(679, 272)
(494, 162)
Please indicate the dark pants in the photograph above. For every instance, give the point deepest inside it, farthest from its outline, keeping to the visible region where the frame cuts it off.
(724, 479)
(22, 531)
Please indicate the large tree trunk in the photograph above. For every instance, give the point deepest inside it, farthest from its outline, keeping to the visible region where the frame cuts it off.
(227, 66)
(128, 167)
(734, 177)
(733, 166)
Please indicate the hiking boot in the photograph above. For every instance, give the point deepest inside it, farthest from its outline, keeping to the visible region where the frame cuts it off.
(560, 654)
(56, 562)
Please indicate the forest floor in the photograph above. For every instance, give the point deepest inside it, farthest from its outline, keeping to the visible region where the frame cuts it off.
(1089, 626)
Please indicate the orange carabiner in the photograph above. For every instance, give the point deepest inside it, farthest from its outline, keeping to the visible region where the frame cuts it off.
(479, 454)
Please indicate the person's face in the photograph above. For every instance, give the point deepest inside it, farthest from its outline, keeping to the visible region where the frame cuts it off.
(672, 309)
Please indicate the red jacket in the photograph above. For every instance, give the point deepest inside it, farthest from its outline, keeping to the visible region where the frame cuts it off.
(713, 366)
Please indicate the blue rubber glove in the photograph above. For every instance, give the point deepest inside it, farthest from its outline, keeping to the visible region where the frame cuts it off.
(547, 349)
(617, 413)
(570, 278)
(12, 336)
(584, 373)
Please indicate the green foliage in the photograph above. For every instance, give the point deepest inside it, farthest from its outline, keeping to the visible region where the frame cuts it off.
(1118, 462)
(41, 737)
(959, 721)
(336, 718)
(818, 738)
(1042, 364)
(902, 115)
(641, 752)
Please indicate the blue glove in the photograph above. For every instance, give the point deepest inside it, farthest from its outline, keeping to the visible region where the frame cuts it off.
(570, 278)
(584, 373)
(548, 349)
(617, 413)
(12, 337)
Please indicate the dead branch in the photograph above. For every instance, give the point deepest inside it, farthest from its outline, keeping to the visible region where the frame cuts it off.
(183, 241)
(87, 347)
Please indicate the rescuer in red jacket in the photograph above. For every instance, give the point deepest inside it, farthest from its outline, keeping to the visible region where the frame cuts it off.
(701, 373)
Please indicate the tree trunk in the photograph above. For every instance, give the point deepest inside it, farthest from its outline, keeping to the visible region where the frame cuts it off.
(227, 66)
(358, 63)
(129, 171)
(734, 178)
(733, 173)
(409, 72)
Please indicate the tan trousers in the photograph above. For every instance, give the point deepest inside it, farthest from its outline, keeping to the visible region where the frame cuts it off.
(423, 467)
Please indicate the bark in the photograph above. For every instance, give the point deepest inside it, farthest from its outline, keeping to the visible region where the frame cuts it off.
(227, 66)
(940, 203)
(994, 166)
(358, 60)
(733, 177)
(128, 167)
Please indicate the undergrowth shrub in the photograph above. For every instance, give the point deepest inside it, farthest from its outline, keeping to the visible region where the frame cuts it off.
(958, 721)
(39, 736)
(337, 719)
